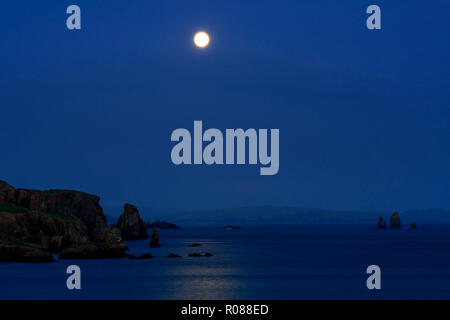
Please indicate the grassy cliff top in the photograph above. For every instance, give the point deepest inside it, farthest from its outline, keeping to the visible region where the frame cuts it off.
(6, 207)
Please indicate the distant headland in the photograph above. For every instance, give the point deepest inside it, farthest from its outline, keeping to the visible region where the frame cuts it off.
(284, 215)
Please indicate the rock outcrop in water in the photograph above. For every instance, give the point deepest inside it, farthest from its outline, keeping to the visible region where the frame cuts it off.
(62, 203)
(194, 245)
(154, 241)
(381, 223)
(131, 224)
(141, 257)
(395, 221)
(195, 254)
(161, 225)
(95, 251)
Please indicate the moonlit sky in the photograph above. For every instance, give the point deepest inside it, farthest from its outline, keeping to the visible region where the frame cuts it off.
(363, 115)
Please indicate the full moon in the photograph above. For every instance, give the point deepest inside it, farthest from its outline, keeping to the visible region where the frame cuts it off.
(201, 39)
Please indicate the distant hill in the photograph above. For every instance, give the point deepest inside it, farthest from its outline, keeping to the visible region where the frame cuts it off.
(293, 215)
(279, 215)
(427, 216)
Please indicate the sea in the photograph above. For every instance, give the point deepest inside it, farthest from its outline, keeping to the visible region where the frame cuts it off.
(254, 262)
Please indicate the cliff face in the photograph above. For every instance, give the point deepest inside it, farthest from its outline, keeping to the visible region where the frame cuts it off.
(7, 192)
(91, 251)
(24, 253)
(50, 232)
(131, 225)
(64, 203)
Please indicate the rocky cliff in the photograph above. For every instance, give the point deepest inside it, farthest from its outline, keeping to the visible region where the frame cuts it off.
(64, 203)
(95, 251)
(131, 224)
(48, 231)
(24, 253)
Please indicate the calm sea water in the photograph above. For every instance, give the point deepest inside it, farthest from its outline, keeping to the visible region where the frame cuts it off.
(296, 262)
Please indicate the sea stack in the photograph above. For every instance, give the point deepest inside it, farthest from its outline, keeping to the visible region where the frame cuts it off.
(381, 223)
(154, 242)
(131, 224)
(395, 221)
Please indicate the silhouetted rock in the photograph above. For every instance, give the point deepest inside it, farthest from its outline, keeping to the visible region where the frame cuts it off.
(413, 225)
(194, 245)
(63, 203)
(161, 225)
(395, 221)
(95, 251)
(23, 253)
(154, 242)
(131, 225)
(381, 223)
(195, 255)
(173, 255)
(143, 256)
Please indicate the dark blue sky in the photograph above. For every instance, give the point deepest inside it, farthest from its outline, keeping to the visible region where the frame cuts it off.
(364, 116)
